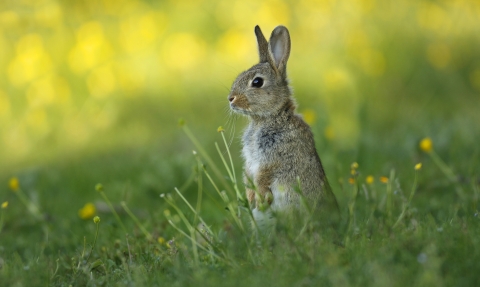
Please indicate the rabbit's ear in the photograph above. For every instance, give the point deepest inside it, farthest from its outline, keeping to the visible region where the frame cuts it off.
(263, 50)
(280, 48)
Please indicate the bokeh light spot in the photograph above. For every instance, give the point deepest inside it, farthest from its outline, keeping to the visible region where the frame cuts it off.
(49, 15)
(9, 18)
(91, 48)
(431, 16)
(48, 90)
(183, 51)
(336, 79)
(234, 46)
(30, 62)
(274, 12)
(140, 31)
(309, 116)
(40, 92)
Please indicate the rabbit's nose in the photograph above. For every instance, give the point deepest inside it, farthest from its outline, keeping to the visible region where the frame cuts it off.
(231, 98)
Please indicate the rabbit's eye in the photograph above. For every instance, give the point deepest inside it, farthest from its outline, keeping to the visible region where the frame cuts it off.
(257, 82)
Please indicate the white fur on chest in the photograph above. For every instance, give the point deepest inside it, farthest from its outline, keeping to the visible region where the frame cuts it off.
(251, 153)
(254, 160)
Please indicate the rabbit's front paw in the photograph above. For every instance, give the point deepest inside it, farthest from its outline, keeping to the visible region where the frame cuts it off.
(263, 201)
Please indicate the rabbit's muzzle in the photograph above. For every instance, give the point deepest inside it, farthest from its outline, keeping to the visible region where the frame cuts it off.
(238, 103)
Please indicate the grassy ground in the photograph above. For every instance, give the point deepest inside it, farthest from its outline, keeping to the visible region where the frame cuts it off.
(435, 241)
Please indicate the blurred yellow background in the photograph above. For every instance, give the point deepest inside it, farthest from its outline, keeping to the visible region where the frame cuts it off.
(79, 75)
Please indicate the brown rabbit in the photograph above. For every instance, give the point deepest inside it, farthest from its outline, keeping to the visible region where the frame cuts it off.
(278, 146)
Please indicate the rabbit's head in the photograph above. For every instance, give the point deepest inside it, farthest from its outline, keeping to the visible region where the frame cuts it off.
(263, 89)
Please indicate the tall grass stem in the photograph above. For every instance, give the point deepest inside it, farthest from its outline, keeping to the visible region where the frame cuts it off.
(447, 171)
(94, 242)
(389, 207)
(199, 190)
(140, 225)
(113, 211)
(407, 204)
(230, 157)
(193, 210)
(205, 155)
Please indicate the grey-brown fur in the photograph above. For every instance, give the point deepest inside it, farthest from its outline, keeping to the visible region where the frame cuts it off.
(278, 146)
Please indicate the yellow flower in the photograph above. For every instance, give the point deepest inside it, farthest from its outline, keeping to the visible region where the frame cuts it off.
(87, 211)
(351, 180)
(384, 179)
(426, 145)
(5, 204)
(418, 166)
(354, 165)
(14, 184)
(161, 240)
(370, 179)
(220, 129)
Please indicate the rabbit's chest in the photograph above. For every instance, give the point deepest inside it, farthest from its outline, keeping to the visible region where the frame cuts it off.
(253, 157)
(258, 148)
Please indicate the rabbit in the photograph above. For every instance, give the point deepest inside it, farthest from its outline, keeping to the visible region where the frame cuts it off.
(280, 159)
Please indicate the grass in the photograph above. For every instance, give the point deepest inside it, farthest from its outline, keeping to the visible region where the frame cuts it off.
(416, 226)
